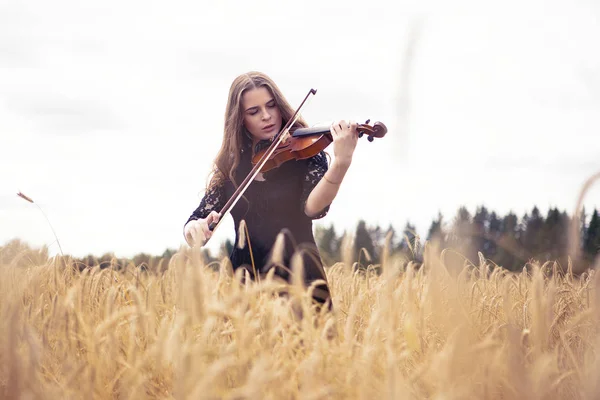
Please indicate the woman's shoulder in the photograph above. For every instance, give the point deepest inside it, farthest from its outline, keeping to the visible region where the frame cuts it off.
(216, 181)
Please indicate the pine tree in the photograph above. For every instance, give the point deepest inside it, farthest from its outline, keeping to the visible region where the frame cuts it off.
(582, 228)
(378, 237)
(532, 237)
(550, 236)
(480, 230)
(592, 239)
(328, 244)
(392, 232)
(507, 253)
(363, 240)
(436, 234)
(563, 236)
(461, 227)
(461, 237)
(494, 233)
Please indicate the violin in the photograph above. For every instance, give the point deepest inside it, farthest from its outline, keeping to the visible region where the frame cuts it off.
(305, 143)
(285, 146)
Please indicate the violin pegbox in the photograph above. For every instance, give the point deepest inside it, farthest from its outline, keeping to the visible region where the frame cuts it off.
(378, 130)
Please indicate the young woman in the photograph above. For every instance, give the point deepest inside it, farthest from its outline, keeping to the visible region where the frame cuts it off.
(286, 199)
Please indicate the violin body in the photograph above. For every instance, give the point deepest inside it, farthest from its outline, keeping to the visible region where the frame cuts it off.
(296, 147)
(308, 142)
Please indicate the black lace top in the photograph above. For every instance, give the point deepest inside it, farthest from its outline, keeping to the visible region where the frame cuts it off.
(269, 207)
(215, 197)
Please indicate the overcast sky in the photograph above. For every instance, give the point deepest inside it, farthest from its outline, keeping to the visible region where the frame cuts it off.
(111, 112)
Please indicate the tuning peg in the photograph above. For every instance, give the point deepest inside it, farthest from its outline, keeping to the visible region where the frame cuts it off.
(369, 120)
(370, 138)
(360, 134)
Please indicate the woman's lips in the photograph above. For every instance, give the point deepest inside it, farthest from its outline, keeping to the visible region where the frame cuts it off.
(268, 127)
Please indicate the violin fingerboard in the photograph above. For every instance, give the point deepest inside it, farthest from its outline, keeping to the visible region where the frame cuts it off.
(310, 131)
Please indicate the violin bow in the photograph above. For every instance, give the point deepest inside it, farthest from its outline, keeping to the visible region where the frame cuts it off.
(250, 177)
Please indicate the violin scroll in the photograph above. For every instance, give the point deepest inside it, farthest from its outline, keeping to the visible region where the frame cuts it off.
(378, 130)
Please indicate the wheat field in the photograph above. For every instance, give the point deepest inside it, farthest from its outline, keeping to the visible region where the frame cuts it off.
(190, 331)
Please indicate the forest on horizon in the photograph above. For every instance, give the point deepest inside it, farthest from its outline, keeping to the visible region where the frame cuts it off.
(507, 240)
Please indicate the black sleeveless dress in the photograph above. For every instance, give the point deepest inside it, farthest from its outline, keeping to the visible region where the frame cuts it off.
(269, 207)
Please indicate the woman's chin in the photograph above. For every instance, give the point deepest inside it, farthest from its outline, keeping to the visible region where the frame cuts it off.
(265, 136)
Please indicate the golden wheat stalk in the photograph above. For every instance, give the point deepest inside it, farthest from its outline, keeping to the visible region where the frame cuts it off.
(29, 199)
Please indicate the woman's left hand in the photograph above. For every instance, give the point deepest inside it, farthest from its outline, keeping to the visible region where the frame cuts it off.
(345, 137)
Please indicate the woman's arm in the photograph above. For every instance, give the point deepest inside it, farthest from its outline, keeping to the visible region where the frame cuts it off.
(327, 188)
(212, 202)
(345, 137)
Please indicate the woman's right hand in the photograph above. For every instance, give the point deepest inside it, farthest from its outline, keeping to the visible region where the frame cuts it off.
(196, 232)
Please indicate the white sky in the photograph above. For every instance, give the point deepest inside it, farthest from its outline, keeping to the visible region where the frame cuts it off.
(111, 112)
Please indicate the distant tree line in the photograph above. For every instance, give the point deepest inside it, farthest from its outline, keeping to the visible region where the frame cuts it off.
(507, 240)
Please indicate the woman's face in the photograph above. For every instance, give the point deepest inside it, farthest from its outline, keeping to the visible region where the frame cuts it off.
(262, 117)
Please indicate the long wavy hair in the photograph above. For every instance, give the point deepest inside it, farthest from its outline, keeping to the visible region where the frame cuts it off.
(228, 157)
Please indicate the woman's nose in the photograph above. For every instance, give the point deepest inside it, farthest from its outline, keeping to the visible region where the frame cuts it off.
(266, 115)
